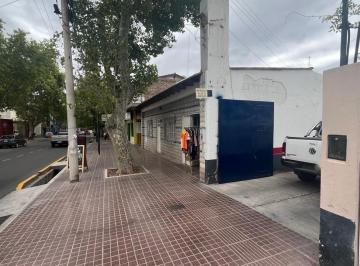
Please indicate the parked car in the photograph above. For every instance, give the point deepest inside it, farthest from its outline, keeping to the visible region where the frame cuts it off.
(302, 154)
(60, 139)
(48, 134)
(10, 141)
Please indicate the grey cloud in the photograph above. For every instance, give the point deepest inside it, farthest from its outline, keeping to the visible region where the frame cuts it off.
(286, 39)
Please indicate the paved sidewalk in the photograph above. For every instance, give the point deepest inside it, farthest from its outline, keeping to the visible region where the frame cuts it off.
(162, 218)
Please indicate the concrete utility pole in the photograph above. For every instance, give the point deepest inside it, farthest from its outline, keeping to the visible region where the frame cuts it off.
(344, 57)
(357, 44)
(70, 96)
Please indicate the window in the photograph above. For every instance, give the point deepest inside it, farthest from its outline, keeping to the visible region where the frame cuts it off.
(149, 128)
(169, 129)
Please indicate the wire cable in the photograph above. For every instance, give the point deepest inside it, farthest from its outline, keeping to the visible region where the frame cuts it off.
(249, 49)
(258, 37)
(47, 14)
(192, 33)
(42, 17)
(10, 3)
(260, 22)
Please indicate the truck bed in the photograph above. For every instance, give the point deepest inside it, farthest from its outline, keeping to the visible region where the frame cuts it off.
(302, 149)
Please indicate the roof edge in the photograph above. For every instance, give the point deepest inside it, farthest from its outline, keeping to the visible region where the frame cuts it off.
(271, 68)
(172, 89)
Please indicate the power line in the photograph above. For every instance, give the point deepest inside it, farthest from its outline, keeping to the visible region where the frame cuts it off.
(257, 22)
(42, 17)
(10, 3)
(238, 39)
(195, 37)
(268, 34)
(260, 22)
(258, 37)
(247, 47)
(304, 15)
(47, 14)
(188, 55)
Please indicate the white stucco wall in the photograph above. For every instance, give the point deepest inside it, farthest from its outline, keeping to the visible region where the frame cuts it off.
(8, 115)
(297, 97)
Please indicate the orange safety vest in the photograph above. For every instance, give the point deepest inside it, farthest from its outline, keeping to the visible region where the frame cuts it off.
(184, 140)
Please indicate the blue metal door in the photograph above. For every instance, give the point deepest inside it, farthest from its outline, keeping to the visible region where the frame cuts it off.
(245, 140)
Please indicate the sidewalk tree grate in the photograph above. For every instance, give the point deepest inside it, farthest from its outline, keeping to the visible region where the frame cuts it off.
(175, 207)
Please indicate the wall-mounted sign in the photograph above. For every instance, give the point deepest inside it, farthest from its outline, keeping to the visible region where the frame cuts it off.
(203, 93)
(127, 116)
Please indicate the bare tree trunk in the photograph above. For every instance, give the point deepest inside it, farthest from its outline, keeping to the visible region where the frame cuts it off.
(31, 130)
(123, 91)
(117, 132)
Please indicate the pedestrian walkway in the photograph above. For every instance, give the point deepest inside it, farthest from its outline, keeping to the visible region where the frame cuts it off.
(165, 217)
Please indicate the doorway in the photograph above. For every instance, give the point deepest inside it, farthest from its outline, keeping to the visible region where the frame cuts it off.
(158, 138)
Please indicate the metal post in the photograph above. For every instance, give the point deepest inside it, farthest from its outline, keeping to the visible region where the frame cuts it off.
(344, 57)
(357, 45)
(98, 136)
(70, 96)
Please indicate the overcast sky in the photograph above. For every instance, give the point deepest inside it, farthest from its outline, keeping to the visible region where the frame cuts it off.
(262, 33)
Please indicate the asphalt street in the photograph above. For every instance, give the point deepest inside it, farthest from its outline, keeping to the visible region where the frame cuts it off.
(17, 164)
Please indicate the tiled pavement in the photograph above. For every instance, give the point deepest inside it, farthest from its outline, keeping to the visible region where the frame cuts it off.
(162, 218)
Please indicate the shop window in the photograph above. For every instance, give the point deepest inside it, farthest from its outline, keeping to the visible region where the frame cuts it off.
(150, 128)
(169, 129)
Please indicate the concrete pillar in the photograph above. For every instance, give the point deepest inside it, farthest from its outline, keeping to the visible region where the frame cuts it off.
(339, 213)
(215, 77)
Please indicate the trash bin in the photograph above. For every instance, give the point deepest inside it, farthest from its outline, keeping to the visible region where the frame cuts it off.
(81, 140)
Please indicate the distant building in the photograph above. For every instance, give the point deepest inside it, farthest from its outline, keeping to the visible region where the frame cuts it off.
(133, 117)
(234, 127)
(19, 125)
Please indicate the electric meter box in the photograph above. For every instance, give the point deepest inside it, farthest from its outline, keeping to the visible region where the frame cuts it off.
(337, 145)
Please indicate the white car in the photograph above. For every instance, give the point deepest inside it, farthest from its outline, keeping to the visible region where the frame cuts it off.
(49, 134)
(60, 139)
(302, 154)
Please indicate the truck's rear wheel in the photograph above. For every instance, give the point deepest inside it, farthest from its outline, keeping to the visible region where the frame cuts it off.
(306, 177)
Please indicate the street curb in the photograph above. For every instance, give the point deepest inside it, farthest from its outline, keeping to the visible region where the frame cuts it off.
(28, 180)
(15, 215)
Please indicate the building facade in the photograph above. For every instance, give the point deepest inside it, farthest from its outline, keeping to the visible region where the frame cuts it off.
(237, 131)
(133, 117)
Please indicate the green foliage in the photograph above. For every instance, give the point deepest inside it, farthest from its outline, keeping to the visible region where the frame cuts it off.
(115, 41)
(31, 82)
(335, 19)
(98, 37)
(93, 97)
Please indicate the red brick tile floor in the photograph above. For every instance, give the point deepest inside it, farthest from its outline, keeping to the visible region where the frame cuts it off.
(165, 217)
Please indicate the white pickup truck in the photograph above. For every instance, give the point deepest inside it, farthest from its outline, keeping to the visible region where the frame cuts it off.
(302, 154)
(60, 139)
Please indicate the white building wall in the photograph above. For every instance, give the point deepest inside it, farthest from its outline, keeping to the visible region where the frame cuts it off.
(297, 97)
(296, 93)
(8, 115)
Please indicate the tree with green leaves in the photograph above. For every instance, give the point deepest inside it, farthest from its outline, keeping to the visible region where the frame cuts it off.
(30, 78)
(335, 19)
(93, 98)
(115, 40)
